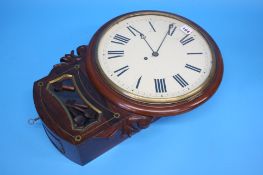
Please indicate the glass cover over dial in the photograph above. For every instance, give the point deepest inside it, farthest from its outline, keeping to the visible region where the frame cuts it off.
(155, 57)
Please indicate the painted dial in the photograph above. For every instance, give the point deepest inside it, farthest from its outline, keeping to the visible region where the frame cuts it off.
(154, 57)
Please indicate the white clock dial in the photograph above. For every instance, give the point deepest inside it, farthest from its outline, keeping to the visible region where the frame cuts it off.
(154, 57)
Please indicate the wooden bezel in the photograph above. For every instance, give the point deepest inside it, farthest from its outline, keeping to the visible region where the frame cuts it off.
(152, 109)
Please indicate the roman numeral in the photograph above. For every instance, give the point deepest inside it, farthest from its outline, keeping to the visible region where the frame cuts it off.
(133, 30)
(121, 70)
(138, 82)
(115, 54)
(160, 86)
(195, 53)
(186, 39)
(119, 39)
(152, 26)
(180, 80)
(171, 30)
(193, 68)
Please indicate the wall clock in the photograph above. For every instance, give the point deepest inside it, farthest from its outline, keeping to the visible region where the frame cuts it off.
(137, 68)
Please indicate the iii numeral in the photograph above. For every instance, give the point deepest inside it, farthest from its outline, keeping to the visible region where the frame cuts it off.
(193, 68)
(195, 53)
(180, 80)
(186, 39)
(160, 86)
(115, 54)
(119, 39)
(121, 70)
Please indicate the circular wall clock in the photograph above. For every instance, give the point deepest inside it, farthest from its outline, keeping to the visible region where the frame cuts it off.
(137, 68)
(154, 63)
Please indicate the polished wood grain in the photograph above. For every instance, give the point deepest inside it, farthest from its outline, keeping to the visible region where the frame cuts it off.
(81, 144)
(75, 91)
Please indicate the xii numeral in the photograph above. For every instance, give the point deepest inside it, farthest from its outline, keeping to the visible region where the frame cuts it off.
(119, 39)
(186, 39)
(115, 54)
(160, 86)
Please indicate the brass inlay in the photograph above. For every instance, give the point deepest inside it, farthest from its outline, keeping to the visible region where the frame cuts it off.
(116, 115)
(69, 76)
(78, 138)
(77, 66)
(40, 83)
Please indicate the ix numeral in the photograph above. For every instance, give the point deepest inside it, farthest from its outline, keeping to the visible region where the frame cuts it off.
(193, 68)
(186, 39)
(119, 39)
(180, 80)
(121, 70)
(160, 86)
(115, 54)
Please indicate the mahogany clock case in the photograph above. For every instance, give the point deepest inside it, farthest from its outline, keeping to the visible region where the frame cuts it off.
(80, 122)
(151, 109)
(84, 117)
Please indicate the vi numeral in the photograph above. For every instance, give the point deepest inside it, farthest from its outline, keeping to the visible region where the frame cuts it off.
(160, 86)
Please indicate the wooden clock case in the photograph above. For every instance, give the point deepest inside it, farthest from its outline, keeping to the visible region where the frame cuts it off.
(84, 117)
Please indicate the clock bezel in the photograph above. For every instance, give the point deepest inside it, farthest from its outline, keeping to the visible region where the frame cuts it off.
(133, 102)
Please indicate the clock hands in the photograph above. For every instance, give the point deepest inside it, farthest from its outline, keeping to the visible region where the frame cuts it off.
(161, 44)
(169, 32)
(142, 36)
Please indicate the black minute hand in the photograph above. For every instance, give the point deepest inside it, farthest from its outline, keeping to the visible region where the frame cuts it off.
(168, 32)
